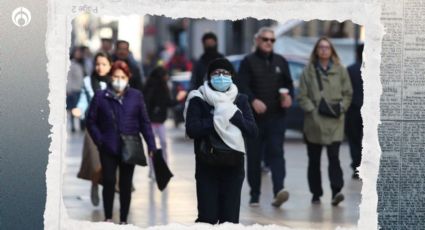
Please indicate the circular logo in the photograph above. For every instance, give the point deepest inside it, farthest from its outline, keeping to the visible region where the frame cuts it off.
(21, 16)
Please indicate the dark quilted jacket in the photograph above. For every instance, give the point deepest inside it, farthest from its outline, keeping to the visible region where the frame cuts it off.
(131, 118)
(261, 76)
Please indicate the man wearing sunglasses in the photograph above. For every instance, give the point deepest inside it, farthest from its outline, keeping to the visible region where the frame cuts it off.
(261, 75)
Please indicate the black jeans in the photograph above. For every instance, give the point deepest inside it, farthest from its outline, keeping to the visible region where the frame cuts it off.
(109, 169)
(269, 143)
(354, 132)
(218, 191)
(314, 152)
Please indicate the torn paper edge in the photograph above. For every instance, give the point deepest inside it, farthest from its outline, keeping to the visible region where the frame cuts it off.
(59, 28)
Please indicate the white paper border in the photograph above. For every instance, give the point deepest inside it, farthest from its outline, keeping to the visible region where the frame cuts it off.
(366, 13)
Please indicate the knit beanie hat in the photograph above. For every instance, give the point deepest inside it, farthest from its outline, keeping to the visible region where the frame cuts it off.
(220, 63)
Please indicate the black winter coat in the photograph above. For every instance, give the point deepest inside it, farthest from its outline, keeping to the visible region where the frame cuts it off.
(357, 83)
(261, 76)
(157, 104)
(199, 119)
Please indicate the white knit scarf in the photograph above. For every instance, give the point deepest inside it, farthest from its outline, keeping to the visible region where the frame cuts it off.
(224, 109)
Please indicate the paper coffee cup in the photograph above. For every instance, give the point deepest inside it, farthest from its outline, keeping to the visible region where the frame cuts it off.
(283, 91)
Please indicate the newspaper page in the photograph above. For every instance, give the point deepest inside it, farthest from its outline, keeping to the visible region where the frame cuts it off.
(401, 203)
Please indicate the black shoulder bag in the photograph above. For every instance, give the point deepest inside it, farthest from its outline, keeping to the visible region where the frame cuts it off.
(132, 152)
(325, 108)
(215, 152)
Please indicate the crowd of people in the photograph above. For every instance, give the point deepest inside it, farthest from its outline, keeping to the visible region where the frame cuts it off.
(234, 116)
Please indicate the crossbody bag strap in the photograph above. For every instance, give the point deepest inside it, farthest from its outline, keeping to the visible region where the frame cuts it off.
(113, 116)
(319, 80)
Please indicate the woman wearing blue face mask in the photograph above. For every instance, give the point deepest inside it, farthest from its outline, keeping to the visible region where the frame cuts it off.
(218, 118)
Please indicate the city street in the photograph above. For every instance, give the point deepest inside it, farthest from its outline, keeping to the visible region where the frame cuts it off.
(177, 204)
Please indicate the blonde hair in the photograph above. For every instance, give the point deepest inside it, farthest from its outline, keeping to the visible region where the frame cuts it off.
(334, 56)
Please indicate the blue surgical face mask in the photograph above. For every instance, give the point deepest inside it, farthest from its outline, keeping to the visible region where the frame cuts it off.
(221, 82)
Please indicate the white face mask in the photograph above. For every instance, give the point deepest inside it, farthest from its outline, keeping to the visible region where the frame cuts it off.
(119, 85)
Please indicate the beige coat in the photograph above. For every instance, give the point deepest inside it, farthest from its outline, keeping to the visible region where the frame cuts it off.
(90, 163)
(337, 87)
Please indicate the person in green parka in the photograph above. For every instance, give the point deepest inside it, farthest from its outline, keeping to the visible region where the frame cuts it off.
(321, 130)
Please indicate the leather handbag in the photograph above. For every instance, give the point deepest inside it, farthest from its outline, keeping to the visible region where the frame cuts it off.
(215, 152)
(325, 108)
(132, 152)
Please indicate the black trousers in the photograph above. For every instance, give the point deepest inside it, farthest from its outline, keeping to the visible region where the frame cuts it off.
(218, 191)
(268, 146)
(354, 132)
(314, 152)
(110, 164)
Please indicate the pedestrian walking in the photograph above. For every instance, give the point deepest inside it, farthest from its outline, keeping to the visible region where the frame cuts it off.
(151, 61)
(158, 100)
(122, 53)
(87, 60)
(264, 76)
(178, 62)
(74, 84)
(325, 95)
(106, 45)
(209, 42)
(118, 110)
(353, 120)
(90, 168)
(218, 118)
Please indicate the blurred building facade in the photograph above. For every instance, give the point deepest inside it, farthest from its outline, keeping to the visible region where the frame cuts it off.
(149, 34)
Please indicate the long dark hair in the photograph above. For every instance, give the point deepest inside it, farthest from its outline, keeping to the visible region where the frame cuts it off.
(156, 82)
(94, 77)
(100, 54)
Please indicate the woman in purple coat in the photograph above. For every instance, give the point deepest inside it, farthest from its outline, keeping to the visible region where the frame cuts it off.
(117, 110)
